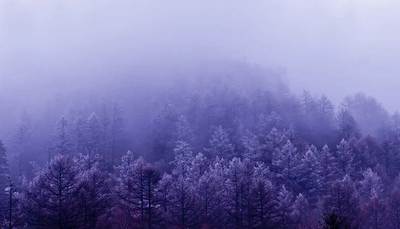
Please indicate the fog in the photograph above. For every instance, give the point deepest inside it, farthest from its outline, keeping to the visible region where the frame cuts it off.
(199, 114)
(332, 47)
(57, 48)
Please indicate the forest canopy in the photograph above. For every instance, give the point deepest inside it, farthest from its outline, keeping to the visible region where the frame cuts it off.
(222, 145)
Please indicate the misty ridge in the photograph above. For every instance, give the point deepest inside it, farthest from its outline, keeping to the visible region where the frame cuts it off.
(224, 144)
(143, 114)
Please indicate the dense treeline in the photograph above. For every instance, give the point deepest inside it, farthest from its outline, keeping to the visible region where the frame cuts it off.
(214, 157)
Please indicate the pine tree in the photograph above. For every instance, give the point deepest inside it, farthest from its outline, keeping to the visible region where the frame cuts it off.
(130, 188)
(284, 207)
(137, 190)
(79, 136)
(327, 168)
(13, 217)
(4, 180)
(253, 148)
(184, 132)
(94, 133)
(308, 177)
(238, 184)
(210, 193)
(302, 215)
(116, 133)
(371, 184)
(151, 178)
(348, 127)
(51, 199)
(286, 164)
(263, 198)
(344, 157)
(373, 212)
(94, 193)
(342, 203)
(183, 211)
(183, 157)
(220, 144)
(62, 141)
(393, 205)
(22, 140)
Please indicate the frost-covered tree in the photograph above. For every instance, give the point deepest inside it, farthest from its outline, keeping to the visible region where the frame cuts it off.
(286, 164)
(51, 199)
(94, 193)
(131, 188)
(253, 149)
(182, 211)
(93, 133)
(370, 185)
(220, 144)
(183, 157)
(303, 215)
(79, 137)
(373, 212)
(342, 203)
(116, 133)
(347, 125)
(62, 138)
(237, 198)
(22, 142)
(209, 190)
(4, 180)
(285, 207)
(263, 198)
(137, 190)
(308, 177)
(328, 169)
(184, 131)
(344, 158)
(13, 217)
(198, 167)
(393, 205)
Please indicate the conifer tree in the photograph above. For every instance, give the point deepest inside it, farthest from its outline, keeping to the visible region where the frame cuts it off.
(51, 199)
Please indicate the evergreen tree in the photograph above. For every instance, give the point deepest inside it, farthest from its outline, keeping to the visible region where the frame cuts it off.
(347, 125)
(131, 187)
(51, 199)
(263, 198)
(22, 143)
(182, 209)
(373, 212)
(286, 164)
(344, 158)
(302, 215)
(116, 133)
(220, 144)
(13, 217)
(308, 177)
(393, 205)
(184, 132)
(4, 181)
(210, 193)
(62, 141)
(370, 185)
(328, 169)
(342, 203)
(94, 193)
(285, 207)
(94, 133)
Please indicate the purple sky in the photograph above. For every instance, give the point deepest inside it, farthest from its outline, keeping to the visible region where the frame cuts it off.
(336, 47)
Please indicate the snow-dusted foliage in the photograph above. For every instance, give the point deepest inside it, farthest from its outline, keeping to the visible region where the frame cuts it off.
(214, 158)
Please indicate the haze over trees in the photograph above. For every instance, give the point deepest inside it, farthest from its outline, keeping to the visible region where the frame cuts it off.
(228, 151)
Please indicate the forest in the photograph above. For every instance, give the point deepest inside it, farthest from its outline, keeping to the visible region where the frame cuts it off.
(227, 149)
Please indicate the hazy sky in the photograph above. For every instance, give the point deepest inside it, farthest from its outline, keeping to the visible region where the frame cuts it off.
(336, 47)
